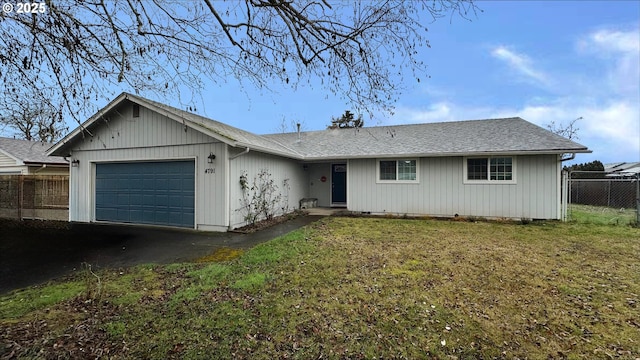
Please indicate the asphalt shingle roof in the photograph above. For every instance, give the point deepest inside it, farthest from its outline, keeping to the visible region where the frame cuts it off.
(509, 135)
(29, 151)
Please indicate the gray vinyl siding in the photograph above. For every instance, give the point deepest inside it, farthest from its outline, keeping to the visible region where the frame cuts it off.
(279, 168)
(151, 137)
(441, 190)
(6, 161)
(318, 189)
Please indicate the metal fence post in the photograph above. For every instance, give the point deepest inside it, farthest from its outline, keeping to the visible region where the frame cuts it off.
(565, 196)
(638, 199)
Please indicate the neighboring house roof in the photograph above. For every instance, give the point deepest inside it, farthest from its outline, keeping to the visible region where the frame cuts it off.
(622, 168)
(473, 137)
(27, 152)
(476, 137)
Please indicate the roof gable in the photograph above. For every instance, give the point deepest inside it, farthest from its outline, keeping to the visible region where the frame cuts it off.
(215, 129)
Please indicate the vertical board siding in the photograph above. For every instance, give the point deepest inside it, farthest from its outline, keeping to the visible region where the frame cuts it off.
(442, 192)
(151, 137)
(281, 169)
(120, 129)
(318, 189)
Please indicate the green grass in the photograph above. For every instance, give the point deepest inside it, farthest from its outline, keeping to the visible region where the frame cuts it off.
(21, 303)
(362, 288)
(602, 215)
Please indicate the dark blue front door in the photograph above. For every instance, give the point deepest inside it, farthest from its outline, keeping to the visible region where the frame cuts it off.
(339, 184)
(157, 193)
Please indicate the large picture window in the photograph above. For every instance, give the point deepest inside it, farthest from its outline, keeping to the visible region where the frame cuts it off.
(398, 170)
(489, 169)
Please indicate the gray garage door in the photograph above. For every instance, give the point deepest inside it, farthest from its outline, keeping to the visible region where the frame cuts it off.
(158, 193)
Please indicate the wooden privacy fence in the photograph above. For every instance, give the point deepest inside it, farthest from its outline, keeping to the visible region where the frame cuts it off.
(34, 197)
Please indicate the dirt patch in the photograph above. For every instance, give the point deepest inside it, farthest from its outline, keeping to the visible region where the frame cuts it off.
(33, 224)
(264, 224)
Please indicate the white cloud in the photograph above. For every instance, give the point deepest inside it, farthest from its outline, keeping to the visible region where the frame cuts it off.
(521, 63)
(436, 112)
(621, 50)
(614, 40)
(605, 93)
(611, 130)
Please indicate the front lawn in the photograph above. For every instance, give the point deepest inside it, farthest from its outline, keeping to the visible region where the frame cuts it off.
(355, 288)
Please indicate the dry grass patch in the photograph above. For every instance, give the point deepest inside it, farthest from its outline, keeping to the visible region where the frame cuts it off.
(482, 289)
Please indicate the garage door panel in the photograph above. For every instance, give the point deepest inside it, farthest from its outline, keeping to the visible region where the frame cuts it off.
(148, 200)
(175, 184)
(135, 198)
(161, 184)
(187, 186)
(109, 213)
(122, 215)
(160, 193)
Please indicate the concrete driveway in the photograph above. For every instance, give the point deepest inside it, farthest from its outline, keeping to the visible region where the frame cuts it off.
(31, 255)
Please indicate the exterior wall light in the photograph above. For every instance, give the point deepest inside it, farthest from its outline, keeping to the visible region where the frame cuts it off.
(210, 158)
(75, 163)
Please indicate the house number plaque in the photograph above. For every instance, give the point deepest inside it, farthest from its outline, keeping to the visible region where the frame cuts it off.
(210, 171)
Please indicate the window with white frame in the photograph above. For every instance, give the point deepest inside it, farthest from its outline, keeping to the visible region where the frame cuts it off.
(398, 170)
(490, 169)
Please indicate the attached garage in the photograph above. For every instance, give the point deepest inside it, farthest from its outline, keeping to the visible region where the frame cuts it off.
(155, 193)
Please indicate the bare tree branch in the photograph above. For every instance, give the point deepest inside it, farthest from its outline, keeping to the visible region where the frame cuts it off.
(76, 53)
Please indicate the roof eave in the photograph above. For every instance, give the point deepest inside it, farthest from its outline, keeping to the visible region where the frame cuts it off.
(269, 151)
(55, 163)
(449, 154)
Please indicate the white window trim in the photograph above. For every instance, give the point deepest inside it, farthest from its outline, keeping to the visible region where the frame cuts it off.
(514, 167)
(416, 181)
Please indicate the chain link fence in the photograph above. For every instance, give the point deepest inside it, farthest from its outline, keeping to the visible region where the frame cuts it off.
(602, 198)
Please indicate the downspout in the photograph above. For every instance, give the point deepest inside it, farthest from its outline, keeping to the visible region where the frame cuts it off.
(41, 168)
(565, 188)
(246, 151)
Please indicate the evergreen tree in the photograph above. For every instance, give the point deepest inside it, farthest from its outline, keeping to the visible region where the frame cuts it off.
(346, 121)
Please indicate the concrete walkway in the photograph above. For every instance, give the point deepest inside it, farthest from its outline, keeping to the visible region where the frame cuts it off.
(30, 255)
(324, 211)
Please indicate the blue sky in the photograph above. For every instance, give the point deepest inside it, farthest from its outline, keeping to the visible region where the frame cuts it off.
(541, 60)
